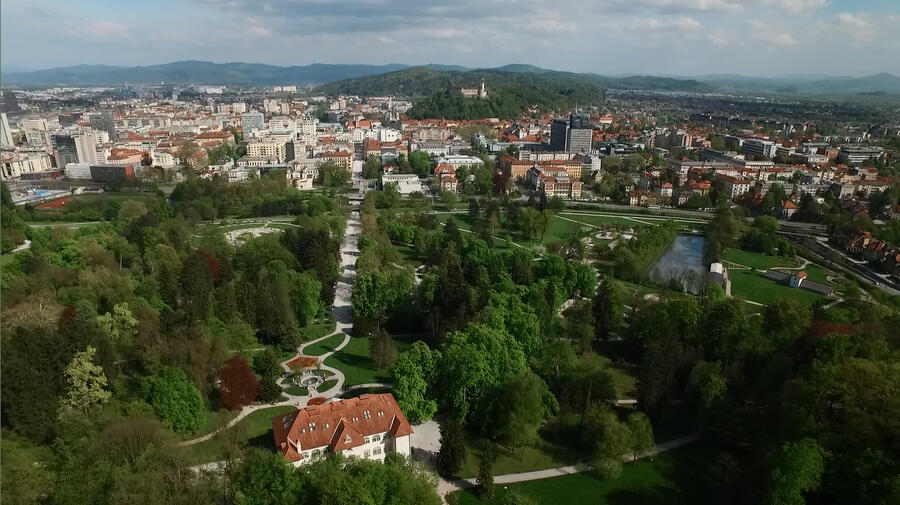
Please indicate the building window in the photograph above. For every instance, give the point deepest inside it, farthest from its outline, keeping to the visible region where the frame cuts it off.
(377, 451)
(305, 455)
(368, 440)
(366, 453)
(376, 438)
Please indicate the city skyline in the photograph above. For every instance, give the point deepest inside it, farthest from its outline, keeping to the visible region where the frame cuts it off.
(768, 38)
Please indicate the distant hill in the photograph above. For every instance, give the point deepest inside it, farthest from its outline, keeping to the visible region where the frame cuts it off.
(811, 85)
(421, 81)
(427, 79)
(185, 72)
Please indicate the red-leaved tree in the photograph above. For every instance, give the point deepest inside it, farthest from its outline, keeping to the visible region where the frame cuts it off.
(237, 383)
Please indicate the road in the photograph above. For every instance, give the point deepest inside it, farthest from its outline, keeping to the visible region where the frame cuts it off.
(821, 249)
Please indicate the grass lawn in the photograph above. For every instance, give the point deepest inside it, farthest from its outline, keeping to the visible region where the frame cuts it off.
(601, 220)
(678, 476)
(214, 421)
(540, 456)
(751, 285)
(323, 346)
(327, 385)
(816, 273)
(255, 429)
(759, 261)
(355, 360)
(625, 383)
(315, 330)
(296, 391)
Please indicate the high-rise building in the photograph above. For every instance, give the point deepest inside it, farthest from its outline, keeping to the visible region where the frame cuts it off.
(559, 133)
(573, 134)
(105, 121)
(252, 121)
(6, 139)
(65, 150)
(86, 148)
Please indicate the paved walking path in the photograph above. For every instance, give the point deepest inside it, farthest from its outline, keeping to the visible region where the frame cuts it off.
(445, 487)
(343, 316)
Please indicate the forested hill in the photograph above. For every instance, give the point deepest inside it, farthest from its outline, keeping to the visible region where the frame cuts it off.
(423, 81)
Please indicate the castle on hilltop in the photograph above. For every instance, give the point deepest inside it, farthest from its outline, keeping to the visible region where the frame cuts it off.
(474, 92)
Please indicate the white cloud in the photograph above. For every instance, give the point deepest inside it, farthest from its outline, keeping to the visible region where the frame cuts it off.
(852, 20)
(794, 6)
(550, 24)
(771, 34)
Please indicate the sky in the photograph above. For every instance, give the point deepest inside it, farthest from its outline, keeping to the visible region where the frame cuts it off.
(661, 37)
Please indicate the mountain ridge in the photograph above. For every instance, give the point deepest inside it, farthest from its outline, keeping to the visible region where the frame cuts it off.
(258, 74)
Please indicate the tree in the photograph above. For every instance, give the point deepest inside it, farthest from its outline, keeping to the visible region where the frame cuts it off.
(176, 400)
(372, 167)
(453, 449)
(237, 383)
(641, 433)
(85, 384)
(485, 479)
(383, 350)
(518, 409)
(707, 383)
(420, 162)
(609, 439)
(118, 325)
(473, 365)
(332, 175)
(188, 157)
(410, 378)
(265, 478)
(449, 198)
(798, 468)
(609, 308)
(306, 292)
(197, 281)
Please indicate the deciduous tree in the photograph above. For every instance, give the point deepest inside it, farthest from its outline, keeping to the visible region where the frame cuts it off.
(237, 383)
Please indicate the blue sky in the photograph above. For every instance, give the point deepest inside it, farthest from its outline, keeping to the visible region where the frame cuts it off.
(679, 37)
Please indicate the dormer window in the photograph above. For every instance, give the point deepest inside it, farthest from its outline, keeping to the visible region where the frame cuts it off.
(367, 415)
(347, 439)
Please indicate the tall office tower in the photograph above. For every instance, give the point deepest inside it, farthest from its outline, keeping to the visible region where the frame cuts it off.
(65, 150)
(573, 134)
(6, 139)
(106, 122)
(86, 148)
(559, 133)
(580, 134)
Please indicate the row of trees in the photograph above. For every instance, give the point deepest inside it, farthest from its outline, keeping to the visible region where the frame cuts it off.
(121, 337)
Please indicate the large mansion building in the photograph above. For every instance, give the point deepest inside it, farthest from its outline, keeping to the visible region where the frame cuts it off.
(366, 427)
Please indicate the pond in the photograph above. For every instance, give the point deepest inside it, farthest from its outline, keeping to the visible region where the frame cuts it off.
(682, 264)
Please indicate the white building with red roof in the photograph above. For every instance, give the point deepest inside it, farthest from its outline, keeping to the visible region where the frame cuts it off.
(368, 427)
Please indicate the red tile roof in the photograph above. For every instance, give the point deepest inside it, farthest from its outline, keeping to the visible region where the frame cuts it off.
(338, 425)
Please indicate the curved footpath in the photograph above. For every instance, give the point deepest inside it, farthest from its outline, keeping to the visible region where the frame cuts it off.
(446, 487)
(343, 316)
